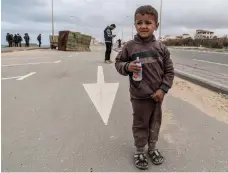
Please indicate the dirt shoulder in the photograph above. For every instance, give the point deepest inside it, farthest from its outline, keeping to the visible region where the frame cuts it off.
(209, 102)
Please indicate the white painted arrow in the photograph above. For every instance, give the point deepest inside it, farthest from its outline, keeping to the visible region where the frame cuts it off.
(102, 95)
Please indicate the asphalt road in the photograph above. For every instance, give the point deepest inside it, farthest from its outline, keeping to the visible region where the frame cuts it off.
(49, 122)
(210, 65)
(13, 49)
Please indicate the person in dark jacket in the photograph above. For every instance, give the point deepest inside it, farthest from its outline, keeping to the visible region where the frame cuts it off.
(39, 39)
(108, 41)
(27, 38)
(146, 95)
(119, 43)
(19, 39)
(9, 39)
(15, 40)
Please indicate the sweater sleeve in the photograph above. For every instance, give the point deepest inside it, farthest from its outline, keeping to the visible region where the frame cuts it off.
(122, 62)
(168, 77)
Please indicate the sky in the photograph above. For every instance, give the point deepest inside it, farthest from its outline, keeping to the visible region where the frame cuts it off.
(92, 16)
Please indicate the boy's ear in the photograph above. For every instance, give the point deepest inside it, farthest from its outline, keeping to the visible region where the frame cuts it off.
(157, 25)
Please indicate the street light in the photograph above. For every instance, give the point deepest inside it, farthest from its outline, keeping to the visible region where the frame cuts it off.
(132, 29)
(122, 33)
(160, 25)
(52, 17)
(73, 17)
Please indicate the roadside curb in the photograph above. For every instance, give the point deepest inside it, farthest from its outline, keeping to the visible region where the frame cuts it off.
(198, 50)
(202, 82)
(35, 48)
(199, 81)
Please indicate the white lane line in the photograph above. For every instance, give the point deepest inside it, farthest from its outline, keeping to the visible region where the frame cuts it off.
(23, 58)
(26, 76)
(73, 55)
(7, 78)
(20, 77)
(28, 58)
(210, 62)
(36, 63)
(56, 62)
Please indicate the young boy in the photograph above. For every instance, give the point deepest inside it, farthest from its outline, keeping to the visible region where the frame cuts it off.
(146, 95)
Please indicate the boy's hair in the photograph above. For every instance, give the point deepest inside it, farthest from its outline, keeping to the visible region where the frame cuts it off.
(147, 9)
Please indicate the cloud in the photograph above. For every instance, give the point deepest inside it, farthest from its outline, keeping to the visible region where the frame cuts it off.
(92, 16)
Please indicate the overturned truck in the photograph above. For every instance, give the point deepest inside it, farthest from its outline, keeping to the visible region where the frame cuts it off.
(73, 41)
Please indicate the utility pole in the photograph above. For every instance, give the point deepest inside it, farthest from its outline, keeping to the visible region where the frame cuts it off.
(132, 30)
(52, 18)
(75, 18)
(121, 32)
(160, 24)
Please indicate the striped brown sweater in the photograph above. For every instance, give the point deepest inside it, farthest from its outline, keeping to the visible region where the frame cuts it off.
(158, 71)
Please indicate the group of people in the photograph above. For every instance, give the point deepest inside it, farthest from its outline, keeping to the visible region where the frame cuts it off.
(148, 58)
(15, 40)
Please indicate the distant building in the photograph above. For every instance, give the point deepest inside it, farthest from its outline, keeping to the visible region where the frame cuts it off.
(186, 36)
(161, 39)
(179, 37)
(204, 34)
(94, 41)
(169, 37)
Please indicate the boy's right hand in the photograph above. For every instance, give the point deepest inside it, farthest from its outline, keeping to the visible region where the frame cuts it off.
(133, 67)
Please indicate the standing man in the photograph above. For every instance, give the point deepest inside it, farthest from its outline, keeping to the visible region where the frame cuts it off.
(108, 42)
(39, 39)
(27, 38)
(9, 40)
(19, 39)
(15, 39)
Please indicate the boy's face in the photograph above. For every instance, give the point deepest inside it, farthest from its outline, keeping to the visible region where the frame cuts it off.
(145, 25)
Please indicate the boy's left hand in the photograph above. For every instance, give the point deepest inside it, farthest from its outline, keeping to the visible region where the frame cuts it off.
(158, 96)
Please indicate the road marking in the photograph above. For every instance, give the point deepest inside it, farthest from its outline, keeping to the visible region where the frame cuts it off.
(20, 77)
(210, 62)
(7, 78)
(102, 95)
(26, 76)
(199, 51)
(70, 56)
(23, 58)
(36, 63)
(56, 62)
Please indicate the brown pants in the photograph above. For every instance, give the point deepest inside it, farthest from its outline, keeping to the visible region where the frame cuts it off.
(147, 117)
